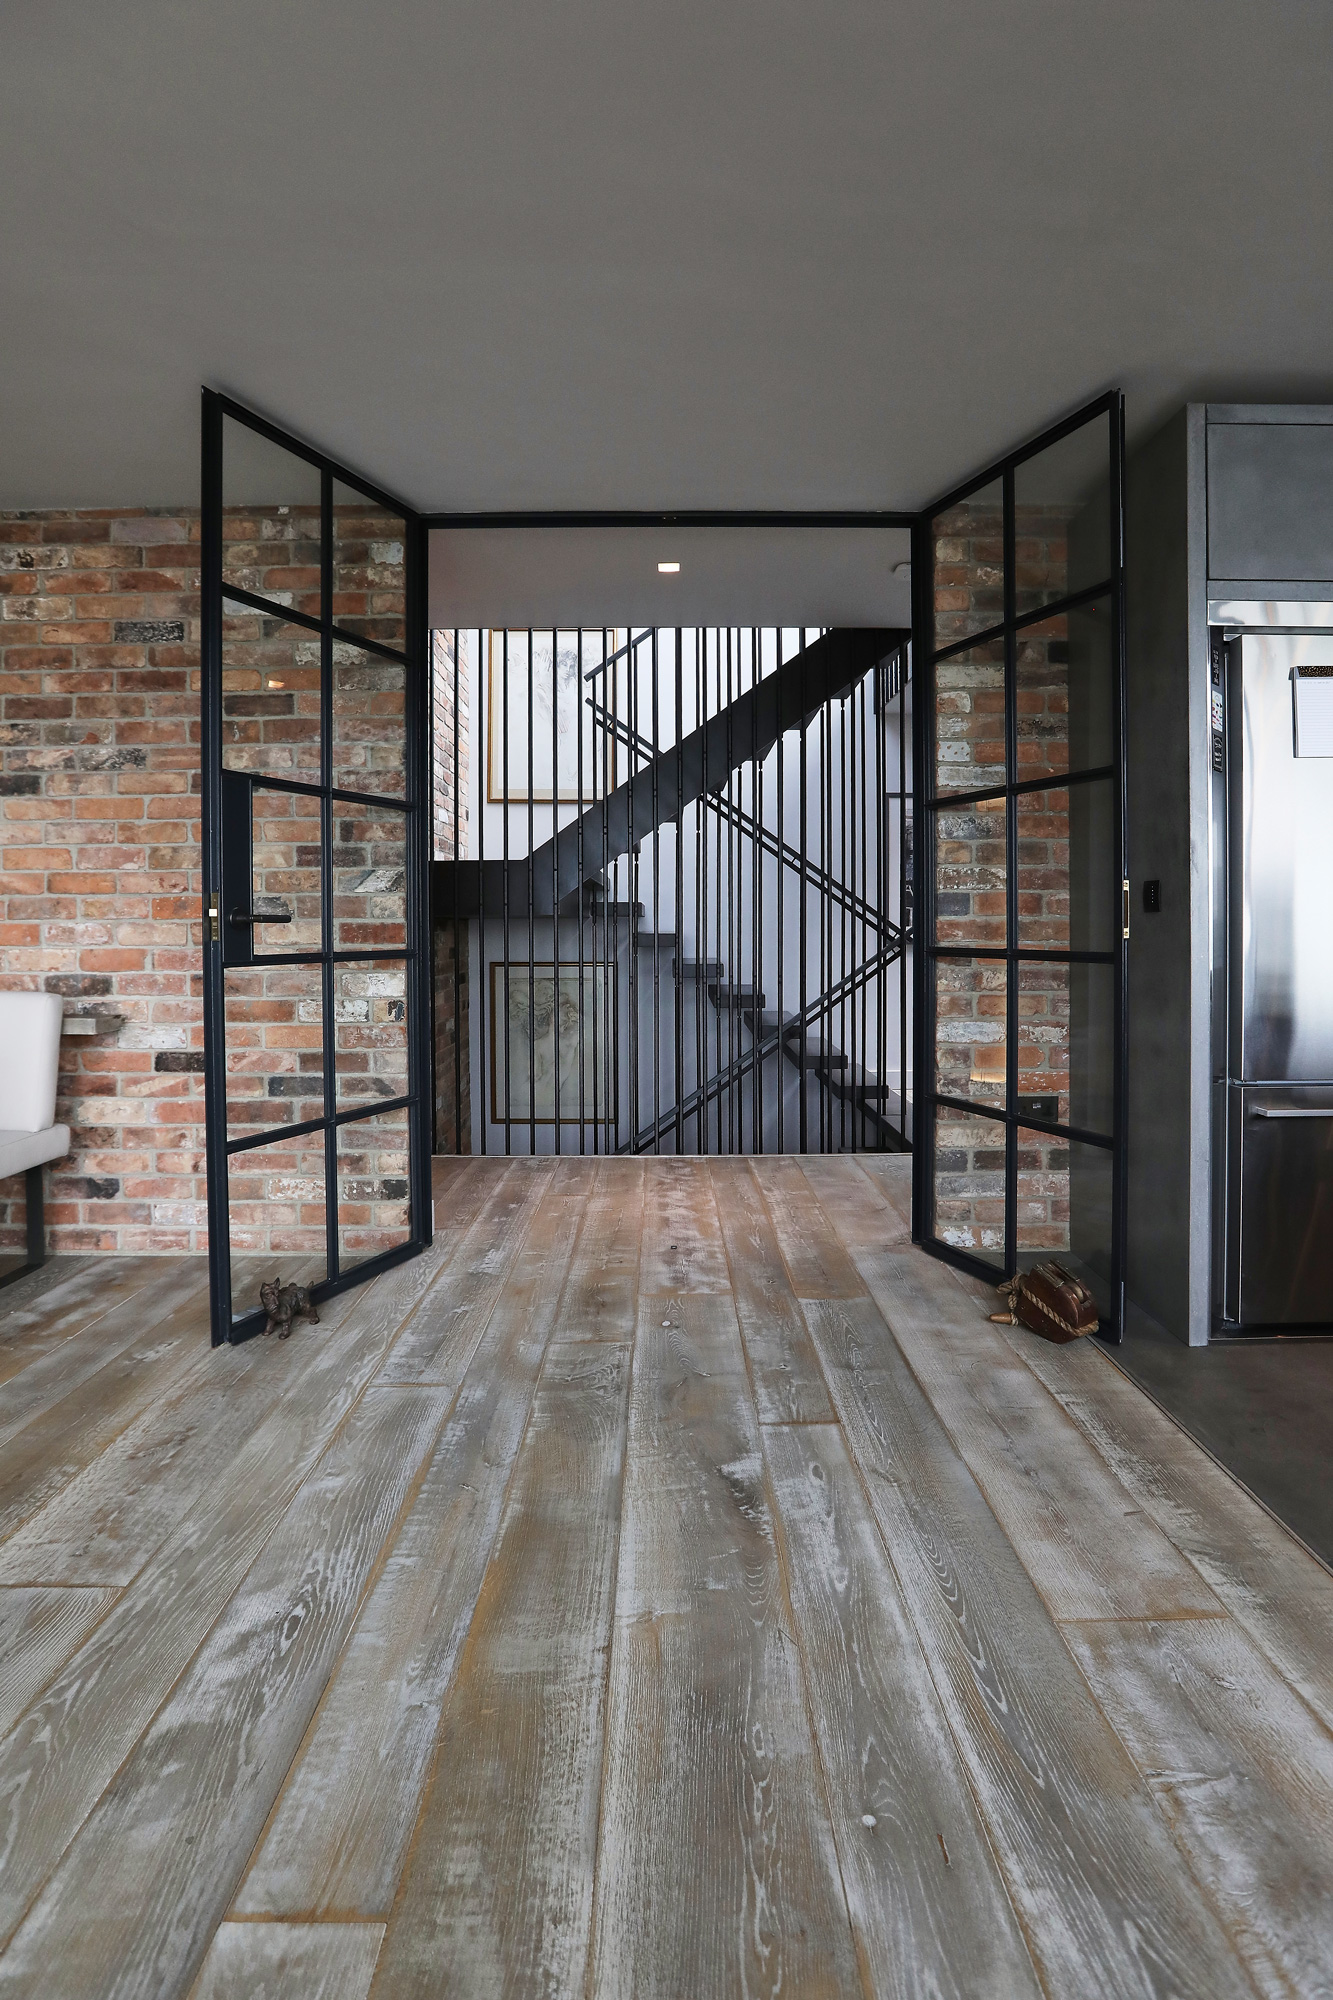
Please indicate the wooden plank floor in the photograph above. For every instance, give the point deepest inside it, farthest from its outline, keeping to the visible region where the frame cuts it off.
(669, 1585)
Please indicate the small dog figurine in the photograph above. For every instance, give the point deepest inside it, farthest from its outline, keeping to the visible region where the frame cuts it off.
(283, 1304)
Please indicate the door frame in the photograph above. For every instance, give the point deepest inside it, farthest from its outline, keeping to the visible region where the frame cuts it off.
(1112, 405)
(417, 957)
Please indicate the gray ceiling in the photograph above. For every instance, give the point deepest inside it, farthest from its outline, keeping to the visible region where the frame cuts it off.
(710, 253)
(727, 576)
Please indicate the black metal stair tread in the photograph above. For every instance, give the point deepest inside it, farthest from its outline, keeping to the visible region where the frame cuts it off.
(819, 1053)
(735, 996)
(705, 971)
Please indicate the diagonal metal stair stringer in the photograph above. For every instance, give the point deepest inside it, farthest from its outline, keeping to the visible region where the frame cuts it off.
(654, 795)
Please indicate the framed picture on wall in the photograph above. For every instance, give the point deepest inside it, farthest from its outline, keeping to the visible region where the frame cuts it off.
(539, 1013)
(536, 682)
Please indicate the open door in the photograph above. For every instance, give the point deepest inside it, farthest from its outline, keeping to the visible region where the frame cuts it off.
(316, 735)
(1022, 891)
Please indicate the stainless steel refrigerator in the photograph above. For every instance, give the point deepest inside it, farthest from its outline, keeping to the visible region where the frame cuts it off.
(1279, 1086)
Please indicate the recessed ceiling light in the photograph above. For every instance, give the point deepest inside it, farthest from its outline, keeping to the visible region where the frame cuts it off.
(668, 569)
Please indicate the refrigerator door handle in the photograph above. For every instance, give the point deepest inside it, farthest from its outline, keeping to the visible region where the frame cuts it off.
(1262, 1111)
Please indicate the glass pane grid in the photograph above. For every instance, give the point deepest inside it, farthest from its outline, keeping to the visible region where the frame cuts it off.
(1027, 657)
(315, 696)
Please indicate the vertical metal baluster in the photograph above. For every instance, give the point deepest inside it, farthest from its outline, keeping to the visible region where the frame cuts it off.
(781, 901)
(611, 987)
(458, 935)
(532, 922)
(845, 1041)
(485, 724)
(883, 903)
(867, 693)
(555, 891)
(717, 1011)
(504, 787)
(657, 915)
(678, 1024)
(802, 912)
(578, 807)
(757, 909)
(631, 915)
(826, 923)
(735, 968)
(598, 1037)
(904, 985)
(700, 894)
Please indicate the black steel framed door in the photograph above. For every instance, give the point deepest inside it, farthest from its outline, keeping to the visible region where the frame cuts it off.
(1022, 893)
(316, 818)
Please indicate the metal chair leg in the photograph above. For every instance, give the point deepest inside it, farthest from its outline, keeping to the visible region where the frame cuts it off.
(36, 1219)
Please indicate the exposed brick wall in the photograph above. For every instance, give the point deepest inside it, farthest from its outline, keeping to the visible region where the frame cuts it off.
(100, 883)
(99, 728)
(972, 875)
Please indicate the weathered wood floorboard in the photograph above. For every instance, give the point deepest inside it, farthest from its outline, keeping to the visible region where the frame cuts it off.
(1267, 1580)
(1244, 1774)
(39, 1629)
(104, 1524)
(60, 1441)
(64, 1299)
(817, 1264)
(120, 1319)
(1090, 1550)
(289, 1962)
(432, 1694)
(67, 1747)
(718, 1872)
(497, 1895)
(788, 1385)
(148, 1878)
(339, 1835)
(682, 1243)
(857, 1202)
(450, 1323)
(928, 1904)
(1107, 1902)
(603, 1280)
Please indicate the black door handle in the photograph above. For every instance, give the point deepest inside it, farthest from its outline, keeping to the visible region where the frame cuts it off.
(258, 917)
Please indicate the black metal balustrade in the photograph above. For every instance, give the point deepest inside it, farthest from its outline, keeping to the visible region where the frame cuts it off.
(679, 893)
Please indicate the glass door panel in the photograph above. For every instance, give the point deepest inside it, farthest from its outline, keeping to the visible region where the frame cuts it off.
(369, 722)
(316, 785)
(1021, 842)
(369, 878)
(971, 1043)
(286, 901)
(969, 719)
(370, 1033)
(271, 520)
(274, 1026)
(1065, 1209)
(271, 695)
(967, 543)
(1063, 540)
(369, 568)
(967, 1164)
(1066, 692)
(374, 1211)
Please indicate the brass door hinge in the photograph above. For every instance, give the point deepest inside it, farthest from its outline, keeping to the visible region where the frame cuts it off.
(213, 932)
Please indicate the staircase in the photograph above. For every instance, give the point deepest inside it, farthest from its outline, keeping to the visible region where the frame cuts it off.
(572, 881)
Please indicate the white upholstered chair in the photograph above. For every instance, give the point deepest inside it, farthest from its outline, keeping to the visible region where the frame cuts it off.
(29, 1059)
